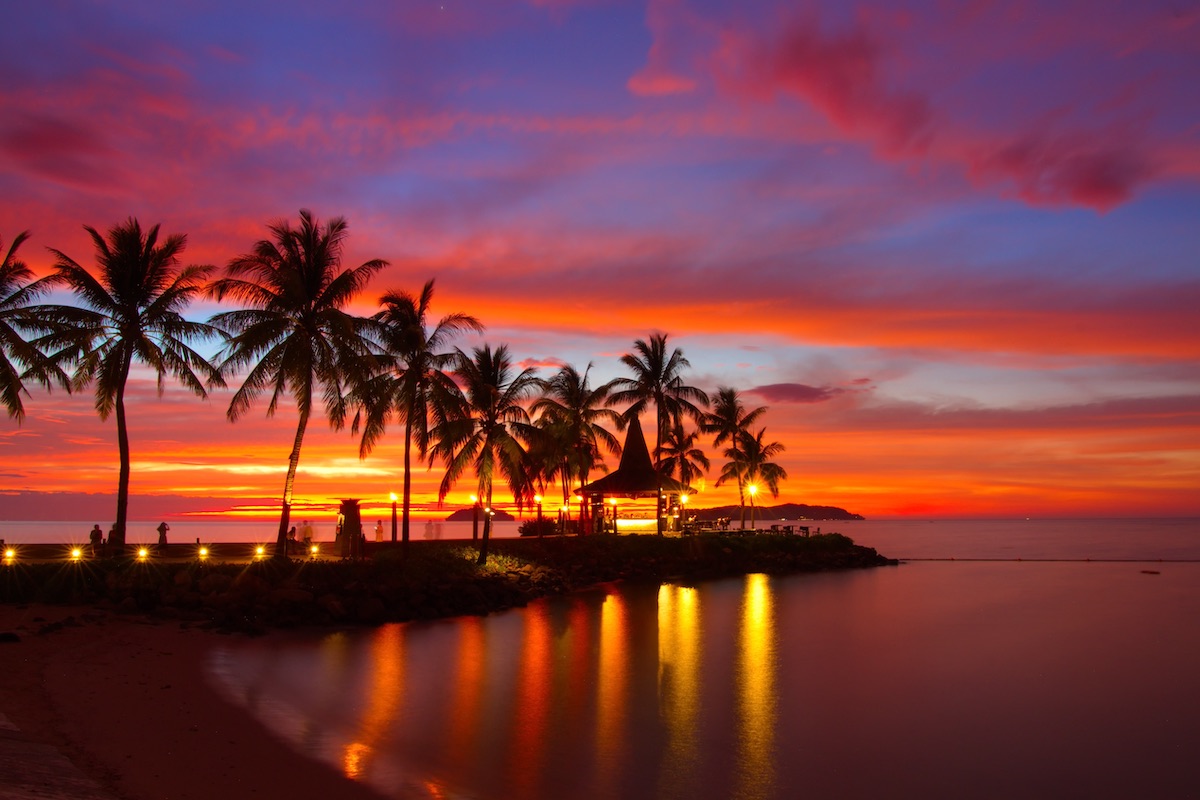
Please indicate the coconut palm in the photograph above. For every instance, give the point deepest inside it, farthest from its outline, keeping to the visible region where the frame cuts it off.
(730, 422)
(571, 414)
(681, 456)
(658, 379)
(20, 359)
(416, 357)
(757, 467)
(295, 336)
(483, 426)
(132, 310)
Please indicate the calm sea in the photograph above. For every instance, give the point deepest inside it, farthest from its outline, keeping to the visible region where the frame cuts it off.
(1152, 539)
(933, 679)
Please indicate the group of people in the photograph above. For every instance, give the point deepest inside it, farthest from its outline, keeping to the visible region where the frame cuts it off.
(97, 539)
(306, 535)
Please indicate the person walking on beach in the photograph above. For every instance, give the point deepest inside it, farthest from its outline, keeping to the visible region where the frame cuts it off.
(162, 533)
(96, 537)
(379, 530)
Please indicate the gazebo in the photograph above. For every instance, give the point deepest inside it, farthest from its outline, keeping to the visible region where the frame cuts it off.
(634, 477)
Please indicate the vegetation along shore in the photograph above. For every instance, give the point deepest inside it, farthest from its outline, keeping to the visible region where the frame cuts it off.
(435, 579)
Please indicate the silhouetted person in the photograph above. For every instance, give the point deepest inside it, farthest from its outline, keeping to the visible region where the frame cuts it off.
(379, 530)
(291, 540)
(96, 538)
(162, 533)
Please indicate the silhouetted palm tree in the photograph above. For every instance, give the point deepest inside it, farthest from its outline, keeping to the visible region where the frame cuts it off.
(483, 426)
(658, 379)
(20, 359)
(681, 456)
(295, 335)
(572, 414)
(730, 422)
(416, 370)
(132, 310)
(757, 467)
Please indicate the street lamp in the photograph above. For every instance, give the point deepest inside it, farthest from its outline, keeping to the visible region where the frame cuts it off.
(683, 498)
(537, 498)
(474, 516)
(393, 516)
(753, 490)
(613, 500)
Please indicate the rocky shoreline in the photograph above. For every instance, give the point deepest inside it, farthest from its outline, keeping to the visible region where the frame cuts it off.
(433, 580)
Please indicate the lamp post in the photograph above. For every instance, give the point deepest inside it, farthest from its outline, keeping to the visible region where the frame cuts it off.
(753, 490)
(613, 500)
(474, 517)
(683, 498)
(393, 516)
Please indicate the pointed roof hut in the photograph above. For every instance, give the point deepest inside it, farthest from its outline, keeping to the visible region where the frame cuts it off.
(635, 476)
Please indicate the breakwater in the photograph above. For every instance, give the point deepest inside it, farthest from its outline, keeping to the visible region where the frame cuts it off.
(428, 581)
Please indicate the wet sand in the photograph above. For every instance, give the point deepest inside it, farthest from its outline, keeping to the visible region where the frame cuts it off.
(127, 700)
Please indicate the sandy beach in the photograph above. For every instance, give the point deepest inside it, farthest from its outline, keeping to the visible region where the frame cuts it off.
(126, 700)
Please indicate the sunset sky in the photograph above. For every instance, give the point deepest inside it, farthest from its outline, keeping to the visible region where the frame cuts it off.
(954, 247)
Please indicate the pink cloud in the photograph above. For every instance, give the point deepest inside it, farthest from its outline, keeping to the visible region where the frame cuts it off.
(796, 393)
(1067, 170)
(841, 75)
(662, 74)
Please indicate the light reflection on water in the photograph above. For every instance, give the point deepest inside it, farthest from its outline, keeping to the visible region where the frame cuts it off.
(927, 680)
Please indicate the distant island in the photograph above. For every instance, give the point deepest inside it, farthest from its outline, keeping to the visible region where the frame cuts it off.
(785, 511)
(468, 514)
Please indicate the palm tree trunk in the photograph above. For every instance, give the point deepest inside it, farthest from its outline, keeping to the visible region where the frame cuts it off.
(286, 514)
(487, 528)
(116, 542)
(741, 485)
(407, 481)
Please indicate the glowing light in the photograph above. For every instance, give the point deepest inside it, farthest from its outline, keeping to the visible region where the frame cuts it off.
(143, 553)
(260, 551)
(313, 550)
(537, 498)
(474, 499)
(756, 690)
(752, 489)
(204, 552)
(9, 554)
(683, 498)
(393, 496)
(76, 553)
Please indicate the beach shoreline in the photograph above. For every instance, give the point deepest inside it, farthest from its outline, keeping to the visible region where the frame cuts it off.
(127, 700)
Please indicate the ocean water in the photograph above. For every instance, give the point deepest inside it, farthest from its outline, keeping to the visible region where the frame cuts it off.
(934, 679)
(1149, 539)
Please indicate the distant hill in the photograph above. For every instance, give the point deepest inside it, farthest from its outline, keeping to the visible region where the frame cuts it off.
(467, 514)
(785, 511)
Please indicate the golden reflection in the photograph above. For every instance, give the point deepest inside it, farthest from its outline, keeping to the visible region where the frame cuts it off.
(534, 679)
(678, 681)
(385, 694)
(756, 691)
(468, 686)
(612, 693)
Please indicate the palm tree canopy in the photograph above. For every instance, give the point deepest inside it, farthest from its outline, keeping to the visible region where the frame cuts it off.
(577, 413)
(416, 359)
(729, 418)
(132, 311)
(681, 455)
(658, 379)
(756, 458)
(22, 360)
(482, 423)
(294, 333)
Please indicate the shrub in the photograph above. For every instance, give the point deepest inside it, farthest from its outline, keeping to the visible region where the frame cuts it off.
(538, 527)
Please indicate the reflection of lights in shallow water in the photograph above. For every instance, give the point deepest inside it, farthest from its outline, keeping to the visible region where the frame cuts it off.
(353, 758)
